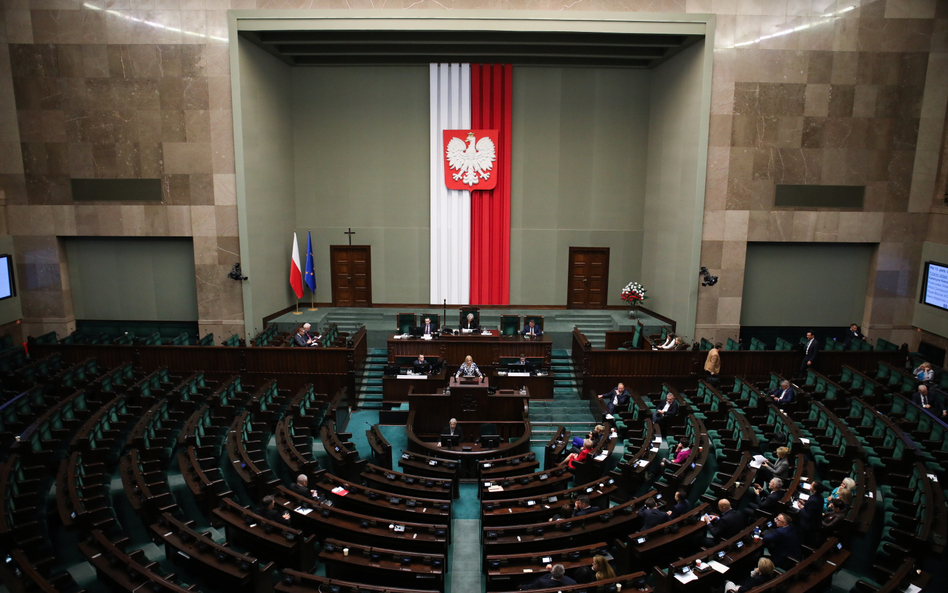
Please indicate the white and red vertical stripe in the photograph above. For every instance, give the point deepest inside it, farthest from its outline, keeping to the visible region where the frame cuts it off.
(470, 231)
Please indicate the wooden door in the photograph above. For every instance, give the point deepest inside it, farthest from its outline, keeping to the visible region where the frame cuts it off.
(588, 279)
(351, 275)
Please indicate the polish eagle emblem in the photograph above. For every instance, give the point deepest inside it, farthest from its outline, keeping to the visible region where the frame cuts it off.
(470, 162)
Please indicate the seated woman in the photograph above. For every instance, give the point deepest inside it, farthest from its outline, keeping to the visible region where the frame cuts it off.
(582, 455)
(760, 575)
(924, 372)
(849, 485)
(780, 468)
(680, 453)
(602, 569)
(670, 342)
(833, 520)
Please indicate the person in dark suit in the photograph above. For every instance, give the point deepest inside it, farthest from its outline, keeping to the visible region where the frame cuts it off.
(760, 575)
(853, 334)
(783, 394)
(615, 398)
(300, 487)
(809, 354)
(269, 511)
(452, 428)
(303, 337)
(651, 515)
(555, 578)
(428, 328)
(666, 411)
(584, 507)
(420, 365)
(531, 329)
(834, 519)
(766, 501)
(922, 399)
(470, 322)
(811, 514)
(783, 542)
(682, 505)
(724, 526)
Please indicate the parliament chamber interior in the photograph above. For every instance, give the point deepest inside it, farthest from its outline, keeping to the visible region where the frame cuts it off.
(621, 297)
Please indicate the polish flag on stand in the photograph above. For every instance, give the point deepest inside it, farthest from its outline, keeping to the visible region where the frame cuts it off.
(296, 275)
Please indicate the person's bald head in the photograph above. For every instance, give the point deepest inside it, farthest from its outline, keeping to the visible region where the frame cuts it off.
(923, 389)
(724, 505)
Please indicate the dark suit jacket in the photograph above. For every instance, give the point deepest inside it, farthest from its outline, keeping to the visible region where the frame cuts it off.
(275, 514)
(586, 511)
(680, 509)
(851, 336)
(769, 501)
(811, 515)
(784, 398)
(783, 543)
(652, 518)
(457, 431)
(810, 350)
(727, 525)
(301, 490)
(432, 327)
(832, 521)
(547, 582)
(417, 365)
(623, 397)
(475, 323)
(672, 409)
(752, 581)
(932, 401)
(300, 339)
(536, 330)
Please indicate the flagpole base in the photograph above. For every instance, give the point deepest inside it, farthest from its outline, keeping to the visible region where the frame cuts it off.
(313, 309)
(296, 313)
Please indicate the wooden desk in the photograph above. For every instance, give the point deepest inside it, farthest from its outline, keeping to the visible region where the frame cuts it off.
(395, 388)
(381, 566)
(269, 539)
(467, 402)
(538, 386)
(485, 350)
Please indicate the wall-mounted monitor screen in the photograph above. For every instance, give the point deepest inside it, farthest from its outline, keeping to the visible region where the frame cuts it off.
(935, 285)
(7, 287)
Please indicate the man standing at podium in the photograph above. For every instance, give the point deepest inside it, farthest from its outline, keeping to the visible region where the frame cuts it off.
(532, 329)
(468, 369)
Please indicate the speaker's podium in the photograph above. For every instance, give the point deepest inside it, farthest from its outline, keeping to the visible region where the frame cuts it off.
(473, 403)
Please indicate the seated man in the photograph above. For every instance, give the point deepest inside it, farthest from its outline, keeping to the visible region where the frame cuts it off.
(651, 515)
(428, 328)
(420, 365)
(303, 337)
(922, 399)
(669, 409)
(470, 323)
(452, 428)
(531, 329)
(617, 397)
(853, 335)
(783, 394)
(783, 542)
(269, 511)
(768, 501)
(584, 507)
(554, 579)
(300, 487)
(724, 526)
(682, 505)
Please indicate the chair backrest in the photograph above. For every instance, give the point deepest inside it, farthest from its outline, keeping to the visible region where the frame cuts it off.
(462, 315)
(509, 324)
(405, 321)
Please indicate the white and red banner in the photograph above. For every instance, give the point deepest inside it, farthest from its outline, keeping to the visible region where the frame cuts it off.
(471, 108)
(296, 274)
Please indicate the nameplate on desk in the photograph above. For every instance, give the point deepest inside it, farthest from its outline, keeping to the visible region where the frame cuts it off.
(518, 374)
(412, 376)
(466, 331)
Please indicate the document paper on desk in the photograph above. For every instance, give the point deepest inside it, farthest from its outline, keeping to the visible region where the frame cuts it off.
(686, 577)
(718, 566)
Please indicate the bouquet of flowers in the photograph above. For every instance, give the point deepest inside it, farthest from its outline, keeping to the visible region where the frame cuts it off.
(633, 293)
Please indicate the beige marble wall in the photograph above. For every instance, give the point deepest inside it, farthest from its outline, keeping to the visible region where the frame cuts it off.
(142, 89)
